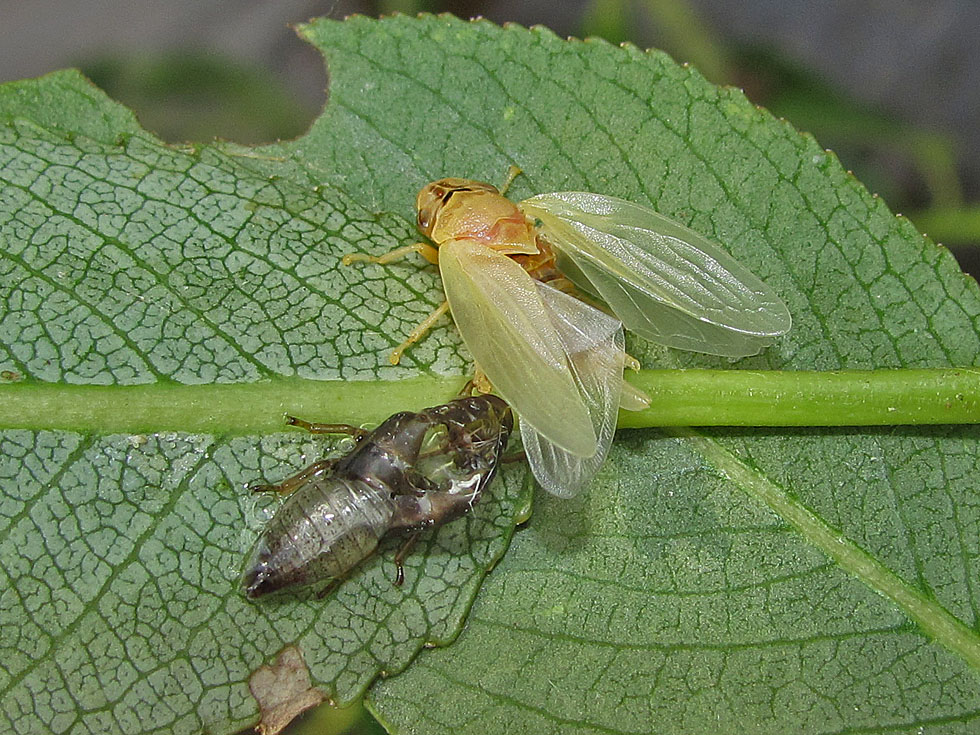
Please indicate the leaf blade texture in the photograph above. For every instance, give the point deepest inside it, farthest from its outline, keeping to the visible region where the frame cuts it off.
(667, 596)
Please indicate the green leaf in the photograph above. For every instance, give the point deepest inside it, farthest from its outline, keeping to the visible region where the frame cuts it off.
(129, 262)
(755, 580)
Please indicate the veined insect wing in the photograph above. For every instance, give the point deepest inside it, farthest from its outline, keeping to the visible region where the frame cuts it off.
(593, 342)
(665, 281)
(510, 332)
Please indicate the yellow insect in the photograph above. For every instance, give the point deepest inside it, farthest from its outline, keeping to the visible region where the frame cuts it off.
(557, 360)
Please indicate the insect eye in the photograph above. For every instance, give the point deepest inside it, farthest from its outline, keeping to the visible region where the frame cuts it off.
(424, 219)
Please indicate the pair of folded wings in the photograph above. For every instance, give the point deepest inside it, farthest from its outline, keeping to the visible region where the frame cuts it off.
(559, 361)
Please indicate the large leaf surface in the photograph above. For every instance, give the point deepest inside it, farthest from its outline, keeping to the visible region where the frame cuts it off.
(805, 581)
(126, 262)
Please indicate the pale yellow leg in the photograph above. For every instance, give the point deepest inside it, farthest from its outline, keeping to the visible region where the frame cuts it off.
(480, 382)
(632, 398)
(512, 173)
(428, 252)
(418, 332)
(424, 249)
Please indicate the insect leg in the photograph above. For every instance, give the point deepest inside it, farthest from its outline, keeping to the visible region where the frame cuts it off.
(512, 173)
(318, 428)
(479, 382)
(416, 334)
(632, 398)
(424, 249)
(291, 483)
(400, 557)
(331, 586)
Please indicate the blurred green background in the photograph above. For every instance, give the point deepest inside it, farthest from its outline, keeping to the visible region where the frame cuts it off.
(893, 88)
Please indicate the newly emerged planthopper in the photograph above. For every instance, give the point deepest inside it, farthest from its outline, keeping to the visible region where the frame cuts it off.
(415, 471)
(506, 270)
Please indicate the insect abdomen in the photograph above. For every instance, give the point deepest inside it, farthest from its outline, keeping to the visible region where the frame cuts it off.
(322, 530)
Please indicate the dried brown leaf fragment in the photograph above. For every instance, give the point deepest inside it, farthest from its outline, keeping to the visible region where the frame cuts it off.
(283, 691)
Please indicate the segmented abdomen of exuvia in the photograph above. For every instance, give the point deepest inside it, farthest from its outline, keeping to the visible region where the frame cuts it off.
(322, 530)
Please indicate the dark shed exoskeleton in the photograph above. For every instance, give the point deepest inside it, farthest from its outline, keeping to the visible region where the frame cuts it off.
(414, 471)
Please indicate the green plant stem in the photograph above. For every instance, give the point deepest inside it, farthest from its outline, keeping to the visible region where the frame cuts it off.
(805, 398)
(678, 398)
(235, 408)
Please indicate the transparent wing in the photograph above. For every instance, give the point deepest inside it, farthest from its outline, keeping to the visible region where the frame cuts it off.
(665, 281)
(508, 329)
(593, 342)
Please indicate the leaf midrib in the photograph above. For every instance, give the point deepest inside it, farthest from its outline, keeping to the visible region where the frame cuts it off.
(678, 398)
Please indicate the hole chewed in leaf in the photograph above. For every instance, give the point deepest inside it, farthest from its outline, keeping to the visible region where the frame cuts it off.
(283, 691)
